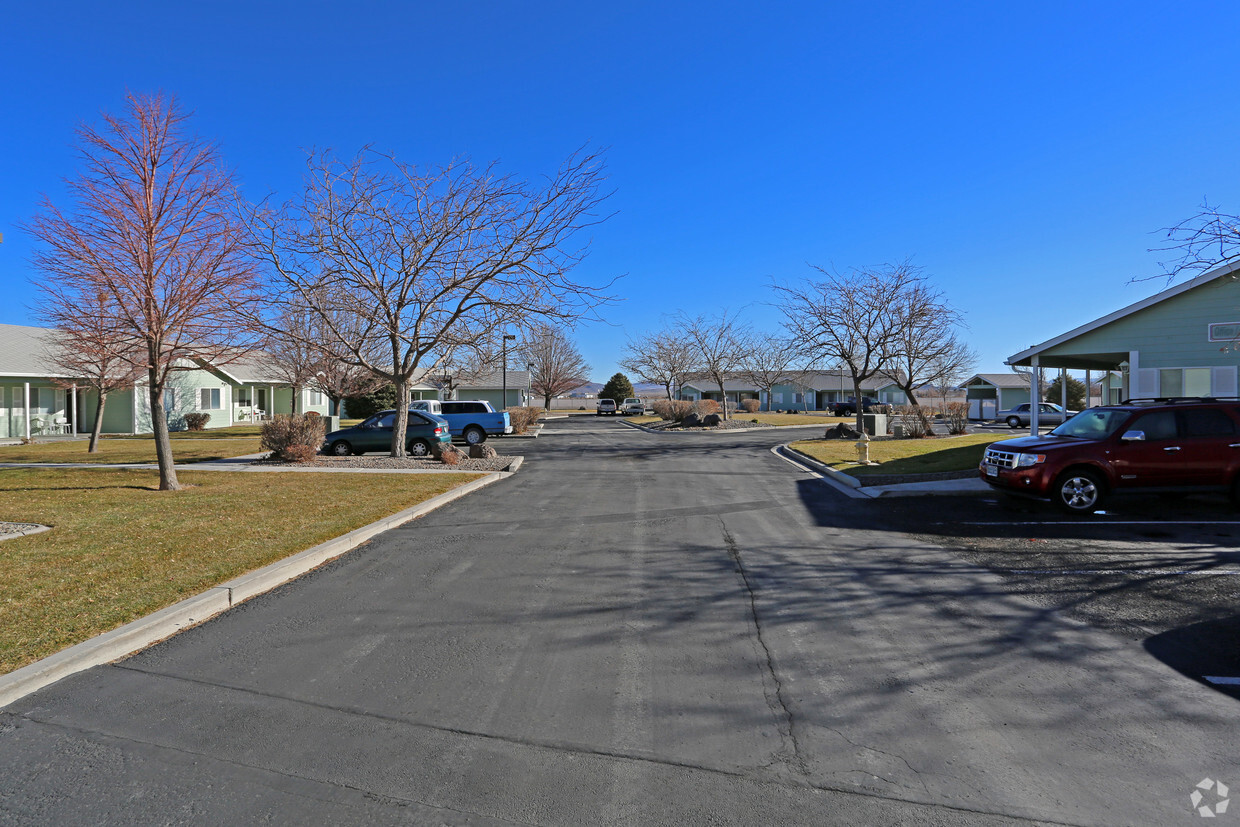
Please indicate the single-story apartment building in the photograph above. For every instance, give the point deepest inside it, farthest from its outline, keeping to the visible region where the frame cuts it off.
(37, 398)
(811, 390)
(989, 393)
(1183, 341)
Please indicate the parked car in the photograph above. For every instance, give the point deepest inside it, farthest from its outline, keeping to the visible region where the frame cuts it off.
(606, 407)
(633, 407)
(375, 434)
(849, 406)
(1160, 445)
(471, 420)
(1048, 414)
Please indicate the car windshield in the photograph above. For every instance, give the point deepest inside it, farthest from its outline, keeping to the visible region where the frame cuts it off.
(1096, 423)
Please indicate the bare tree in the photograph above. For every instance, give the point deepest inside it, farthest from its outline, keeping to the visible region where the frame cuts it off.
(92, 344)
(767, 361)
(556, 364)
(151, 230)
(664, 358)
(850, 317)
(1206, 240)
(427, 262)
(293, 360)
(718, 346)
(924, 345)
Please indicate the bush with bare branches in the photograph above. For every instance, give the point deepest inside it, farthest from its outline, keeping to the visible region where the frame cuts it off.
(915, 420)
(705, 407)
(196, 421)
(671, 410)
(957, 416)
(292, 438)
(523, 418)
(751, 405)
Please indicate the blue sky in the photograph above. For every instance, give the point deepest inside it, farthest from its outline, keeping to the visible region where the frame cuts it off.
(1024, 155)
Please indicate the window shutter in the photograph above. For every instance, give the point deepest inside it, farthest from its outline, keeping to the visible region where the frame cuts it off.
(1146, 384)
(1223, 381)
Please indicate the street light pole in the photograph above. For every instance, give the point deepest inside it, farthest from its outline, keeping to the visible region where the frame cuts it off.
(504, 350)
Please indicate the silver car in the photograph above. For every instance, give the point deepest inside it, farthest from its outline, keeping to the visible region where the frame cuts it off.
(1048, 414)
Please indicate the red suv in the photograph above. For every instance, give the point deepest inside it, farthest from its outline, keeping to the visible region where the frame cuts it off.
(1151, 445)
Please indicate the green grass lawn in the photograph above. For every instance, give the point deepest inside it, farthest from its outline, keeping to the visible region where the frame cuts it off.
(184, 449)
(231, 432)
(902, 456)
(120, 549)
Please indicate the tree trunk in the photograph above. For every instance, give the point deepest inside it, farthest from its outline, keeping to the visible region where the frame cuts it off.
(402, 417)
(547, 401)
(724, 396)
(163, 445)
(292, 405)
(860, 408)
(97, 428)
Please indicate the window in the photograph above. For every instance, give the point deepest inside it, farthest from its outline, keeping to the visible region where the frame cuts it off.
(386, 421)
(1171, 382)
(1157, 425)
(209, 399)
(316, 398)
(1208, 422)
(243, 396)
(779, 397)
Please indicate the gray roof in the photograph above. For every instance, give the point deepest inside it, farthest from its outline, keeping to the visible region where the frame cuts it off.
(495, 381)
(24, 351)
(253, 369)
(1000, 380)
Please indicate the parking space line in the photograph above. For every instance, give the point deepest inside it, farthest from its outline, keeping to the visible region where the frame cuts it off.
(1222, 681)
(1100, 522)
(1158, 572)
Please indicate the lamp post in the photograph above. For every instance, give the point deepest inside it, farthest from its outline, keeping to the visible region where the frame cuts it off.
(504, 348)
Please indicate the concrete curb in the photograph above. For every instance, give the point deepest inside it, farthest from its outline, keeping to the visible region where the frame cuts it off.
(143, 632)
(964, 486)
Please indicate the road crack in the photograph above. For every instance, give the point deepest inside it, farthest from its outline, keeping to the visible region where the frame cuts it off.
(790, 752)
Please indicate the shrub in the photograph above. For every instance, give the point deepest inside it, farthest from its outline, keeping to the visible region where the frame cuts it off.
(751, 405)
(672, 410)
(957, 416)
(292, 438)
(196, 421)
(360, 407)
(523, 418)
(706, 407)
(915, 420)
(619, 388)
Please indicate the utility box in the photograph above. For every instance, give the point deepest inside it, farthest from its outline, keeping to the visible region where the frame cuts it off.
(874, 424)
(330, 423)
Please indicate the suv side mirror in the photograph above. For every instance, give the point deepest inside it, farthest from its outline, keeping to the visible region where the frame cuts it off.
(1133, 436)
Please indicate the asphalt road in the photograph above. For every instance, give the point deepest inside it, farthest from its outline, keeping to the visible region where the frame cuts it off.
(655, 629)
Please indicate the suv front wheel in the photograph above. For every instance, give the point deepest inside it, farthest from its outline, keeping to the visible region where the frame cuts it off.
(1078, 491)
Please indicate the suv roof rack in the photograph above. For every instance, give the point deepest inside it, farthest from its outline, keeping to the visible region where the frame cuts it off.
(1178, 400)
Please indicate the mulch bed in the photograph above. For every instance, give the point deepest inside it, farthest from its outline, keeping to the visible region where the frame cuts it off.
(726, 425)
(379, 461)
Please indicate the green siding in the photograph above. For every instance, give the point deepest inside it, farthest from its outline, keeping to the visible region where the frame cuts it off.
(1173, 333)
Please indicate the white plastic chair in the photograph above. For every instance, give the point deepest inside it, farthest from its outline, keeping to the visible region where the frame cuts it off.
(60, 425)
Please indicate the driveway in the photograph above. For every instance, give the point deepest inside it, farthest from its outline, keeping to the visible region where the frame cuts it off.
(638, 628)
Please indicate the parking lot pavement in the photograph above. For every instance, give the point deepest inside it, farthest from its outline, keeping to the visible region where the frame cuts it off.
(1161, 572)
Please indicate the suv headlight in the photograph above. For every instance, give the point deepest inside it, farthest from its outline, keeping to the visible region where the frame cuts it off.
(1025, 460)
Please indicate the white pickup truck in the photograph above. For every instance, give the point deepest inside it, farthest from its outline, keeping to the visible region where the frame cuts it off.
(633, 407)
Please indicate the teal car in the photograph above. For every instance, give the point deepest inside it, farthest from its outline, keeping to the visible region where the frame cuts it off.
(375, 434)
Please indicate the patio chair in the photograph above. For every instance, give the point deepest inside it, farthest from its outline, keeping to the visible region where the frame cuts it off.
(60, 425)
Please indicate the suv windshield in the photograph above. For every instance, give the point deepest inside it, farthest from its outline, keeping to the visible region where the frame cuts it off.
(1096, 423)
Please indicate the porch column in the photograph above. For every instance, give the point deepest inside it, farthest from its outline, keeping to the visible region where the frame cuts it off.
(73, 409)
(26, 403)
(1088, 384)
(1063, 388)
(1035, 395)
(253, 403)
(271, 401)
